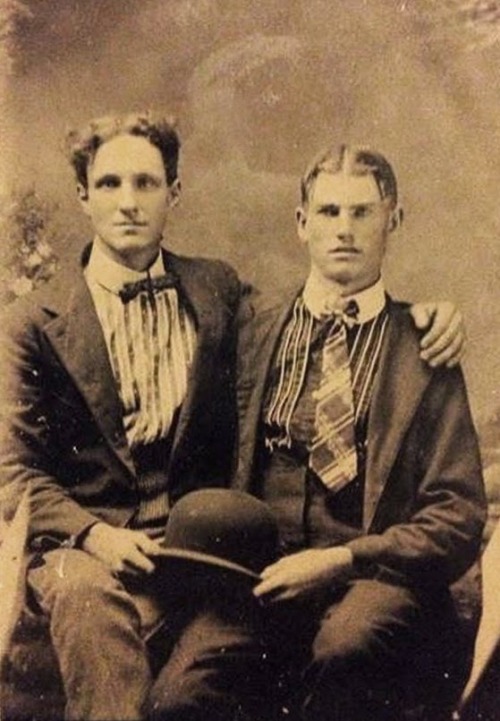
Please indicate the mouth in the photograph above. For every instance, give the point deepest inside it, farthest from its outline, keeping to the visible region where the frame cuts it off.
(344, 251)
(130, 224)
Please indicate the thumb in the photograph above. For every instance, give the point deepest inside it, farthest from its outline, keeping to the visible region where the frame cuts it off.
(422, 315)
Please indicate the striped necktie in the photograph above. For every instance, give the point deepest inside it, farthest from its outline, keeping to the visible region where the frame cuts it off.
(333, 452)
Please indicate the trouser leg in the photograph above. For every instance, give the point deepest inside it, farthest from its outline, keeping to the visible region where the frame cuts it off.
(360, 652)
(217, 669)
(95, 629)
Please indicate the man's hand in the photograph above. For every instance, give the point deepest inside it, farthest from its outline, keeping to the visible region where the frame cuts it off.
(122, 549)
(444, 342)
(303, 572)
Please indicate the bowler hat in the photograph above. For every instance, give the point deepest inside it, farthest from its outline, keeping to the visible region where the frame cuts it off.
(222, 529)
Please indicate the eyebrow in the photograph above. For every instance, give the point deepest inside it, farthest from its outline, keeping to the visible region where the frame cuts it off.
(116, 176)
(335, 206)
(106, 176)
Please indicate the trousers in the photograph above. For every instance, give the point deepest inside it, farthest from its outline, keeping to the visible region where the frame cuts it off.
(206, 661)
(368, 651)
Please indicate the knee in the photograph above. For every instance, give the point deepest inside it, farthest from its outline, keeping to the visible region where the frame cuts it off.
(344, 643)
(74, 579)
(192, 696)
(172, 703)
(217, 670)
(373, 620)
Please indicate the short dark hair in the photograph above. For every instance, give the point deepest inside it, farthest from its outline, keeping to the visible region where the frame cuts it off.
(353, 160)
(83, 144)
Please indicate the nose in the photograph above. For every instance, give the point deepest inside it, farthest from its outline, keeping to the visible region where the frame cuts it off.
(344, 225)
(127, 200)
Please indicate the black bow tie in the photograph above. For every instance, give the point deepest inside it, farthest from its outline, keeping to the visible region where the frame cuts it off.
(150, 285)
(347, 312)
(351, 310)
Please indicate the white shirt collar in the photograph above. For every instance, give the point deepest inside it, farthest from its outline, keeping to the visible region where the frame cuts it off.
(112, 275)
(318, 298)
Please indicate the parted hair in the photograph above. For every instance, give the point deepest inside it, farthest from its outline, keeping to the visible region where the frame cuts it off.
(82, 144)
(352, 160)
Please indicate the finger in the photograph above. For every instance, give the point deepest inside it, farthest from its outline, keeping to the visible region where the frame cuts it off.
(449, 357)
(421, 314)
(267, 587)
(458, 356)
(446, 347)
(436, 339)
(136, 560)
(150, 547)
(273, 599)
(272, 569)
(287, 594)
(441, 325)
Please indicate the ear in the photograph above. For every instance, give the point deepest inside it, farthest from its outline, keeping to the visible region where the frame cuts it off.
(174, 193)
(83, 197)
(301, 220)
(395, 219)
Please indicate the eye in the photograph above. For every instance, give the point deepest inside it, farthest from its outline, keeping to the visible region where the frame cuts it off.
(147, 182)
(362, 211)
(108, 182)
(330, 211)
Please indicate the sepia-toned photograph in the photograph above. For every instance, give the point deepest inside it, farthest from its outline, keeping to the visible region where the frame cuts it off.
(249, 386)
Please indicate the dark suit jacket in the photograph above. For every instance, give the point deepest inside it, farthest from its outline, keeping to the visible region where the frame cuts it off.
(61, 417)
(424, 502)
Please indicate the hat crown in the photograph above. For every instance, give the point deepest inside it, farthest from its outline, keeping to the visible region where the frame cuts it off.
(224, 525)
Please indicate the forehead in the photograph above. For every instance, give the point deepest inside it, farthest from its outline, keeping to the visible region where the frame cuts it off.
(344, 189)
(127, 155)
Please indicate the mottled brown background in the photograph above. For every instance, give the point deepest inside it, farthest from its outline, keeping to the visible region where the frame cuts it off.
(260, 86)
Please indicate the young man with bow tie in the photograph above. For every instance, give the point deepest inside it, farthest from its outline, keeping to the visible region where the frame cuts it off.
(118, 399)
(368, 458)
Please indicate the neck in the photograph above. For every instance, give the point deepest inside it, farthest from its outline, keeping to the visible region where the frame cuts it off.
(335, 288)
(135, 259)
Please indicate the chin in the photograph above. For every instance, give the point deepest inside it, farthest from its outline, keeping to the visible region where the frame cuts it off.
(342, 276)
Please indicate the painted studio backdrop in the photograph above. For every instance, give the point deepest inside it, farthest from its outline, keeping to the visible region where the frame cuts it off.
(258, 88)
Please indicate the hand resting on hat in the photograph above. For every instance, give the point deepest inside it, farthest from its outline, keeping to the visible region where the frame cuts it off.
(304, 572)
(122, 549)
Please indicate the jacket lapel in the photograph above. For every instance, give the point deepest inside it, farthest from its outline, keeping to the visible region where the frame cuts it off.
(199, 296)
(76, 335)
(401, 381)
(261, 345)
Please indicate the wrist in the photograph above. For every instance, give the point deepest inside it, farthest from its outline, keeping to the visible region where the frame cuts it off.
(342, 560)
(90, 534)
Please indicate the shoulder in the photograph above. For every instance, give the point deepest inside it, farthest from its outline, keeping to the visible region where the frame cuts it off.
(23, 315)
(39, 307)
(212, 273)
(266, 306)
(401, 322)
(265, 313)
(403, 344)
(211, 267)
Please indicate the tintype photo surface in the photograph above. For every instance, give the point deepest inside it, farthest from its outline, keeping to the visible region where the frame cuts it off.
(254, 91)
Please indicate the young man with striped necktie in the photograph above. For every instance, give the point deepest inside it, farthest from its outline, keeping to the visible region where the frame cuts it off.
(369, 458)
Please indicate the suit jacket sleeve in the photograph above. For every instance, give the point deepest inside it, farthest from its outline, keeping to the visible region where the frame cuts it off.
(26, 453)
(430, 524)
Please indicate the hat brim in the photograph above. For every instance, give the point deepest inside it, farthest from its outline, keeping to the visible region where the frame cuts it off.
(206, 559)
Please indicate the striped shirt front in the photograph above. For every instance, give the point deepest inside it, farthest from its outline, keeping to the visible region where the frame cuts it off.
(151, 341)
(298, 359)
